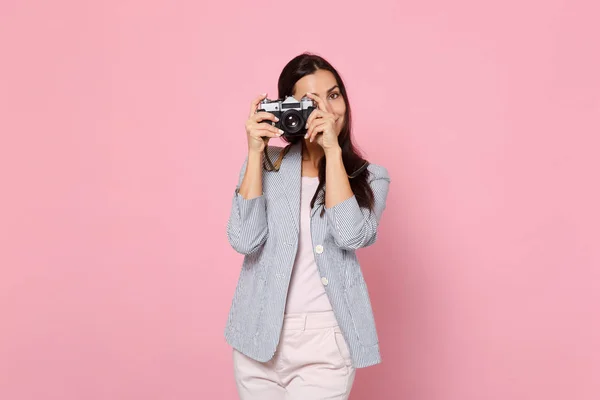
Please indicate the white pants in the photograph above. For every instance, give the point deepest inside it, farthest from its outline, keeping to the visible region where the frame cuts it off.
(312, 362)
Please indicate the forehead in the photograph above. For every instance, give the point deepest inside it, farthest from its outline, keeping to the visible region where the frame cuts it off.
(319, 82)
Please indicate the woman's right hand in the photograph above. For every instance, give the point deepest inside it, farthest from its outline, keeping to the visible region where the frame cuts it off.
(257, 129)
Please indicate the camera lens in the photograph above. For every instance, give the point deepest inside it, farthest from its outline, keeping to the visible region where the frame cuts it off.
(292, 121)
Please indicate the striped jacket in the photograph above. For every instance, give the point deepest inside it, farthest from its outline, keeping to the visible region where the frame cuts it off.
(266, 230)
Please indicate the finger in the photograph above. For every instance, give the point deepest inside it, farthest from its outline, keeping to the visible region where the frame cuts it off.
(318, 129)
(312, 116)
(254, 104)
(318, 114)
(264, 116)
(269, 127)
(264, 133)
(309, 125)
(316, 137)
(328, 123)
(315, 128)
(320, 103)
(313, 122)
(318, 121)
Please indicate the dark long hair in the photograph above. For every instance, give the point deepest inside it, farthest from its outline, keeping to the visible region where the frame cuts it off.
(355, 165)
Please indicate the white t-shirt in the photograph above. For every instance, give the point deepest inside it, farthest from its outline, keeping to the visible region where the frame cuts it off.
(306, 292)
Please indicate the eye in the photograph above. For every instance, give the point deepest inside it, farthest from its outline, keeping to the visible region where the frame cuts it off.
(334, 95)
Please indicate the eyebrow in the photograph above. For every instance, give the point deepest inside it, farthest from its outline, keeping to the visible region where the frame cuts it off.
(333, 87)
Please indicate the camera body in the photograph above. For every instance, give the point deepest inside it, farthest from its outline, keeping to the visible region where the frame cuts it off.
(292, 114)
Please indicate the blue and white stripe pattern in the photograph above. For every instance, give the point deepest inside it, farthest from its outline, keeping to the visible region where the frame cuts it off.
(266, 230)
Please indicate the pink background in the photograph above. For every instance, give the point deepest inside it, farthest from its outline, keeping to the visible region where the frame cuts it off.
(122, 137)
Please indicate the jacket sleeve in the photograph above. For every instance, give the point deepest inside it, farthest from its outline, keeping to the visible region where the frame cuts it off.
(247, 224)
(352, 226)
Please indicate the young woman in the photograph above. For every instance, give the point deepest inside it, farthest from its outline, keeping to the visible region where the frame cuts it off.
(301, 320)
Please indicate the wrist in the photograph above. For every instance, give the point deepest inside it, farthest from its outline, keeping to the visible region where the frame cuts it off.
(252, 153)
(333, 152)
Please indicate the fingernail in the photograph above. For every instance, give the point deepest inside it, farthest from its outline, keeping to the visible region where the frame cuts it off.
(276, 119)
(306, 136)
(263, 94)
(280, 132)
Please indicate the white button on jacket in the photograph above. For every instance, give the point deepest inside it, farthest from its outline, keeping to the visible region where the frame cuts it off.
(319, 249)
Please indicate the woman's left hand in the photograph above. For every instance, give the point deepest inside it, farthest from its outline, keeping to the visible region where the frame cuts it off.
(322, 125)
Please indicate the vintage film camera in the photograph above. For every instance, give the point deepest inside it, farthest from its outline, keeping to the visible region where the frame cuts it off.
(292, 114)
